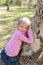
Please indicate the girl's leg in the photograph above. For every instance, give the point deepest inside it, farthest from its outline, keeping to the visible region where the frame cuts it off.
(5, 58)
(13, 61)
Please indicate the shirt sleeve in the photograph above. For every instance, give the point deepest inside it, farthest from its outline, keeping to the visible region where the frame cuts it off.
(26, 39)
(30, 35)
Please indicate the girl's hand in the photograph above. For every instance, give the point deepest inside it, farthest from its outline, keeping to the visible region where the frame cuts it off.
(29, 27)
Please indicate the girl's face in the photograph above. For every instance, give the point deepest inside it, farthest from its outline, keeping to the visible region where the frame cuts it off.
(23, 27)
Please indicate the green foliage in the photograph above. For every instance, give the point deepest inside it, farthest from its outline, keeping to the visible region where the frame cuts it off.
(2, 2)
(18, 2)
(12, 2)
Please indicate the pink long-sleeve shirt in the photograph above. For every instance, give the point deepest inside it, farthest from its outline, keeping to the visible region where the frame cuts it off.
(13, 47)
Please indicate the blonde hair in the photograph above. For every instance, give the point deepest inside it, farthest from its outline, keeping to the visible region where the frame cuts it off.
(25, 19)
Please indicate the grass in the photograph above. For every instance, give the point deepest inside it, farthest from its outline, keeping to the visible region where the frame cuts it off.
(8, 21)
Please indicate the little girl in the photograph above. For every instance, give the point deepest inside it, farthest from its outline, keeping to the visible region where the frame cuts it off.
(12, 49)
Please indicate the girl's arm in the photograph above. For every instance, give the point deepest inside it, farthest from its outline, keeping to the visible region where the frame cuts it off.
(26, 39)
(30, 34)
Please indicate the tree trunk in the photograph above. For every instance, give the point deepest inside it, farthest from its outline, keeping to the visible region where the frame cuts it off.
(8, 3)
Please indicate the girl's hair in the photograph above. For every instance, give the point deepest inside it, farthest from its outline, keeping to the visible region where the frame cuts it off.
(24, 19)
